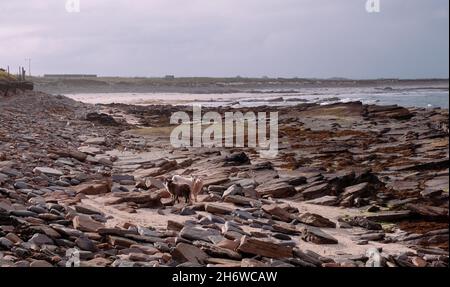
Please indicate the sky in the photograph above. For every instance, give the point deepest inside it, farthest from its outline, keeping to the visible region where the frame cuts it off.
(227, 38)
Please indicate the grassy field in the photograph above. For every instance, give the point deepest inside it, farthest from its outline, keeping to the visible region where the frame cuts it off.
(5, 77)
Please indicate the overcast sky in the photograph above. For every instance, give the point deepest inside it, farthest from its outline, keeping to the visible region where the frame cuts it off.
(286, 38)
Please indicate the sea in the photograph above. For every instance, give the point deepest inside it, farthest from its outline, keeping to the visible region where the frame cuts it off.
(408, 97)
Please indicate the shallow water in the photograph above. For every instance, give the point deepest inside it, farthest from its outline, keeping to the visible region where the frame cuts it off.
(423, 98)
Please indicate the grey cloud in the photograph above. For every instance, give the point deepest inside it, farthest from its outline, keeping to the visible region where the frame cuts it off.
(305, 38)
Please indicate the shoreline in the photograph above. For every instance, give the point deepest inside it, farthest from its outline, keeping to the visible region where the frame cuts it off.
(215, 85)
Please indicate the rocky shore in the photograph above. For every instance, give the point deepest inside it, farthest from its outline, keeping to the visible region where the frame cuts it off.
(353, 185)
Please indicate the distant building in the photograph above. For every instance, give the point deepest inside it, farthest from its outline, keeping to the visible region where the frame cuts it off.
(65, 76)
(169, 77)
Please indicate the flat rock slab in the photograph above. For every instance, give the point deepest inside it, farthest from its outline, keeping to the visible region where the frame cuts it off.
(194, 233)
(48, 171)
(328, 200)
(93, 188)
(355, 190)
(40, 264)
(150, 172)
(316, 191)
(277, 190)
(428, 211)
(264, 248)
(89, 210)
(389, 216)
(86, 223)
(316, 220)
(216, 179)
(217, 209)
(438, 183)
(240, 200)
(403, 185)
(120, 241)
(277, 212)
(96, 141)
(221, 262)
(317, 236)
(90, 150)
(188, 253)
(363, 222)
